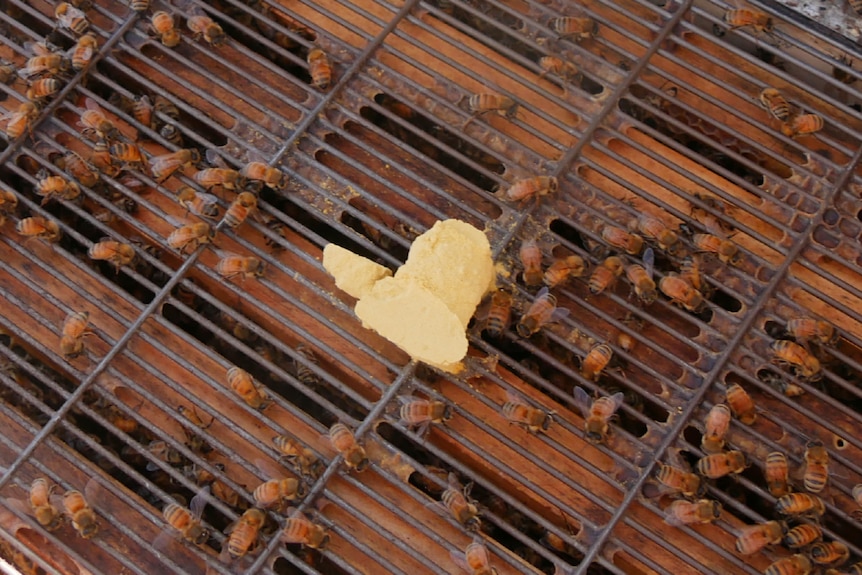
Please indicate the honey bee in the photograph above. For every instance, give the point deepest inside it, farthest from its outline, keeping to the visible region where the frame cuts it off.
(742, 17)
(485, 102)
(456, 501)
(777, 474)
(202, 26)
(715, 428)
(676, 480)
(129, 155)
(857, 494)
(531, 259)
(296, 452)
(773, 101)
(344, 442)
(259, 171)
(515, 410)
(243, 384)
(753, 538)
(72, 18)
(622, 239)
(82, 515)
(39, 228)
(800, 504)
(418, 412)
(740, 404)
(162, 26)
(718, 465)
(726, 250)
(805, 329)
(816, 467)
(40, 501)
(94, 121)
(243, 535)
(227, 178)
(277, 491)
(319, 68)
(21, 120)
(804, 364)
(163, 166)
(794, 565)
(497, 321)
(298, 529)
(562, 269)
(187, 521)
(140, 5)
(112, 251)
(83, 51)
(640, 277)
(244, 204)
(574, 28)
(654, 229)
(802, 535)
(194, 441)
(681, 292)
(74, 165)
(475, 559)
(162, 105)
(597, 414)
(74, 330)
(543, 310)
(42, 89)
(56, 187)
(164, 452)
(566, 71)
(605, 275)
(689, 270)
(682, 512)
(243, 267)
(172, 134)
(102, 159)
(802, 125)
(190, 236)
(198, 203)
(44, 62)
(221, 490)
(530, 187)
(828, 553)
(596, 361)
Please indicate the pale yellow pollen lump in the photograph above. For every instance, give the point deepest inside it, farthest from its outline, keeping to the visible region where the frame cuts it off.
(424, 309)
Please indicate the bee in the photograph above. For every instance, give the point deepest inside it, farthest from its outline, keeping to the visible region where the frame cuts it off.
(682, 512)
(857, 494)
(562, 269)
(304, 373)
(533, 418)
(497, 321)
(78, 168)
(319, 68)
(166, 164)
(543, 310)
(689, 270)
(202, 25)
(773, 101)
(162, 451)
(816, 467)
(243, 535)
(243, 267)
(56, 186)
(40, 501)
(654, 229)
(102, 159)
(804, 365)
(259, 171)
(227, 178)
(726, 250)
(21, 120)
(530, 187)
(221, 490)
(740, 404)
(596, 361)
(296, 452)
(800, 504)
(42, 89)
(574, 28)
(187, 521)
(718, 465)
(162, 26)
(777, 474)
(276, 491)
(298, 529)
(531, 259)
(802, 535)
(755, 537)
(802, 125)
(72, 18)
(475, 559)
(566, 71)
(243, 384)
(676, 480)
(605, 275)
(194, 441)
(622, 239)
(640, 277)
(83, 51)
(742, 17)
(94, 121)
(39, 228)
(344, 442)
(200, 204)
(140, 5)
(597, 414)
(715, 428)
(162, 105)
(681, 292)
(128, 154)
(109, 250)
(794, 565)
(82, 515)
(7, 71)
(418, 412)
(244, 204)
(74, 330)
(828, 553)
(456, 501)
(8, 202)
(485, 102)
(805, 329)
(172, 134)
(190, 236)
(44, 62)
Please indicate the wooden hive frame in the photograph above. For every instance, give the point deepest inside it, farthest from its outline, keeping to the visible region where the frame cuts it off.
(662, 119)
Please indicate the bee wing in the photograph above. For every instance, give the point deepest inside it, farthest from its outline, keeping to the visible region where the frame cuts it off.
(618, 399)
(515, 397)
(649, 261)
(583, 400)
(165, 537)
(542, 292)
(215, 159)
(199, 502)
(670, 516)
(676, 460)
(407, 399)
(93, 492)
(268, 469)
(460, 559)
(255, 156)
(91, 104)
(19, 505)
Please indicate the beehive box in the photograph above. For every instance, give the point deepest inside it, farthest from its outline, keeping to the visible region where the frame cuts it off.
(661, 117)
